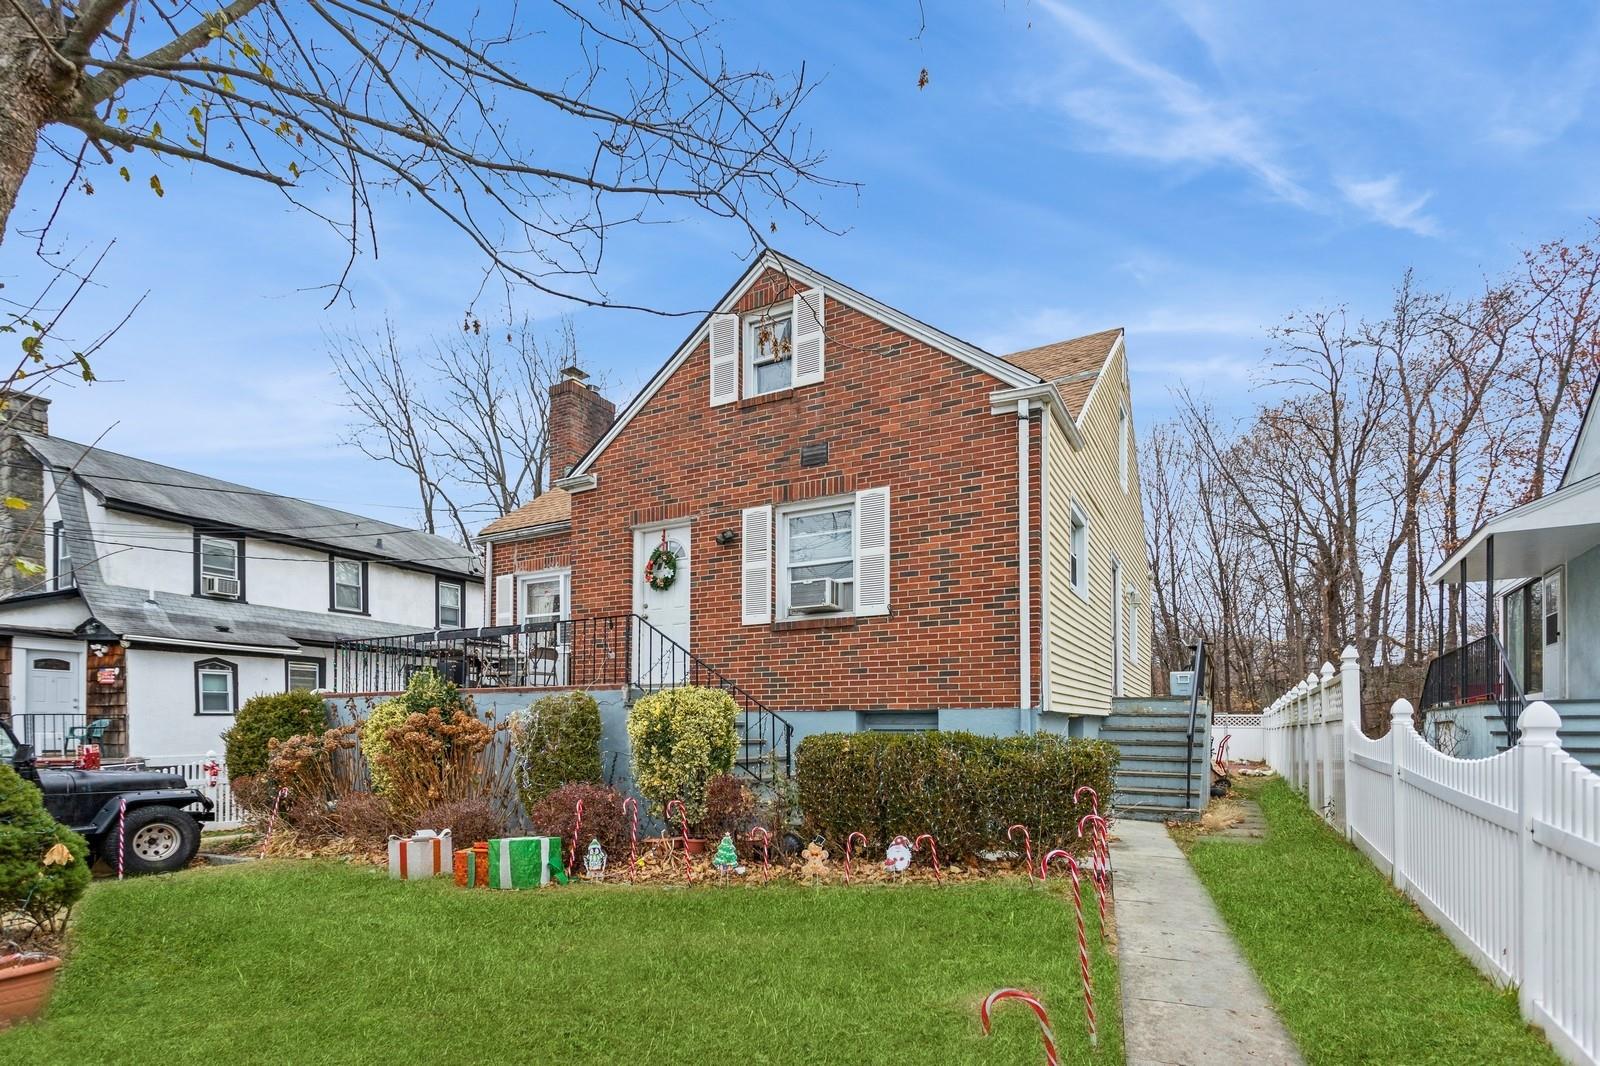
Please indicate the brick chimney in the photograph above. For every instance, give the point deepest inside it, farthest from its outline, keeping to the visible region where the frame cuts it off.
(579, 416)
(22, 533)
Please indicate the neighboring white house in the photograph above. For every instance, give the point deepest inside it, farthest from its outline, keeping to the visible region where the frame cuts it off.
(169, 598)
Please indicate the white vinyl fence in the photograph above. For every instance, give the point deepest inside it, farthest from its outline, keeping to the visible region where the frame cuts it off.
(1247, 741)
(1503, 853)
(193, 768)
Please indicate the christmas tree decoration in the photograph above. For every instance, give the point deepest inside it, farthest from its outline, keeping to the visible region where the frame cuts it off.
(815, 865)
(525, 862)
(726, 857)
(422, 854)
(594, 862)
(471, 866)
(897, 858)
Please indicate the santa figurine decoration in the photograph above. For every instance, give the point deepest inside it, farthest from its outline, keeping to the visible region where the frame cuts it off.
(897, 858)
(594, 861)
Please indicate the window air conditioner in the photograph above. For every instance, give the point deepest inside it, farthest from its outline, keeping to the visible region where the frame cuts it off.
(221, 586)
(816, 596)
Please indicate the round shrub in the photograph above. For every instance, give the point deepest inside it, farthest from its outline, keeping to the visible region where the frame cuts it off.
(429, 690)
(386, 716)
(603, 818)
(730, 809)
(557, 741)
(272, 716)
(27, 833)
(682, 738)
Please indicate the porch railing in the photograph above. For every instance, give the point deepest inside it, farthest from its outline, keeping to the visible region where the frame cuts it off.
(621, 650)
(56, 735)
(1476, 672)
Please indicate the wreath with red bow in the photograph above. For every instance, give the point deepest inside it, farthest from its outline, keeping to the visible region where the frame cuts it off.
(662, 569)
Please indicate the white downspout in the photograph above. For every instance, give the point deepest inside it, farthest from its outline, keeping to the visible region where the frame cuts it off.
(1044, 560)
(1024, 565)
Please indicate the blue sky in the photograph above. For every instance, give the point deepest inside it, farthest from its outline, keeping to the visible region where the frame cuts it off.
(1191, 171)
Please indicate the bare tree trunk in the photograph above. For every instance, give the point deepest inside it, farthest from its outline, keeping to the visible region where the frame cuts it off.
(33, 84)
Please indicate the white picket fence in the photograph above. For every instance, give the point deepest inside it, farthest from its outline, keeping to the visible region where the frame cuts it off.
(193, 768)
(1503, 853)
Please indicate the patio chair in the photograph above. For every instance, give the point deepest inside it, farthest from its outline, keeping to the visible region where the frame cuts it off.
(93, 733)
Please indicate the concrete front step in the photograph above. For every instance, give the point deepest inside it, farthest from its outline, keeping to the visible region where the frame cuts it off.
(1140, 812)
(1179, 726)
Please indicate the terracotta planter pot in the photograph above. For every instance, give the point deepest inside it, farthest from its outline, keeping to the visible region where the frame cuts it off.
(695, 845)
(25, 984)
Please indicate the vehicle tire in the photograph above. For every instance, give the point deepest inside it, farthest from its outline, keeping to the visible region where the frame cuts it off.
(156, 840)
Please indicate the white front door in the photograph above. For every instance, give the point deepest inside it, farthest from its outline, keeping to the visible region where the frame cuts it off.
(1551, 626)
(54, 697)
(660, 648)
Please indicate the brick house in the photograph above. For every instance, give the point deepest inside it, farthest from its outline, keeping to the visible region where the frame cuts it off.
(872, 523)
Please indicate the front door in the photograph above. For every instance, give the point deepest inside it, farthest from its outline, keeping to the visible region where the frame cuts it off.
(661, 597)
(54, 698)
(1555, 682)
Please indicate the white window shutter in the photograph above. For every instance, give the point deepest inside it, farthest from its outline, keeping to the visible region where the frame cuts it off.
(872, 551)
(808, 337)
(504, 597)
(724, 359)
(756, 581)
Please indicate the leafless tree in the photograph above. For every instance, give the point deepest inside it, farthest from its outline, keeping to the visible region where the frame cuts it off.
(535, 129)
(464, 415)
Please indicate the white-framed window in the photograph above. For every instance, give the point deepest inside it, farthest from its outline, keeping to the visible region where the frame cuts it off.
(450, 613)
(542, 599)
(64, 577)
(1078, 553)
(303, 675)
(1124, 445)
(216, 686)
(817, 559)
(349, 585)
(221, 567)
(769, 350)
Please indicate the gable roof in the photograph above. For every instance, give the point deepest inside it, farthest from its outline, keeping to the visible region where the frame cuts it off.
(1584, 459)
(1074, 365)
(550, 508)
(1006, 372)
(127, 483)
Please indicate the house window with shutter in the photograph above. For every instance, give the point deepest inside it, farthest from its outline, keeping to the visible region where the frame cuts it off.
(816, 552)
(825, 557)
(769, 351)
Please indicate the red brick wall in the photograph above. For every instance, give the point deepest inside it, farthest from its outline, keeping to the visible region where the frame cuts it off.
(895, 412)
(579, 416)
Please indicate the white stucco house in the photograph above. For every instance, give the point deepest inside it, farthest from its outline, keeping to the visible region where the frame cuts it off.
(168, 597)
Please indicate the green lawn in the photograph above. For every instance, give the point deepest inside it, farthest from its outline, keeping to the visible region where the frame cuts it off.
(299, 962)
(1357, 972)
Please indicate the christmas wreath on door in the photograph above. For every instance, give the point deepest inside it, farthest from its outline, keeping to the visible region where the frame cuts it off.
(662, 568)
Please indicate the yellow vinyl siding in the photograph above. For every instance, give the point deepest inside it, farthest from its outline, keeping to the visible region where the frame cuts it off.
(1080, 666)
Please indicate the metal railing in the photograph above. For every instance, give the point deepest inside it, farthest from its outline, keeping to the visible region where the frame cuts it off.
(1476, 672)
(61, 734)
(1189, 770)
(620, 650)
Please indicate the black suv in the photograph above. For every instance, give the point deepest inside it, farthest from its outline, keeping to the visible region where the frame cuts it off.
(159, 832)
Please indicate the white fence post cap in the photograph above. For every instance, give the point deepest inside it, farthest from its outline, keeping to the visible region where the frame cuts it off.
(1327, 671)
(1349, 654)
(1538, 724)
(1311, 680)
(1401, 710)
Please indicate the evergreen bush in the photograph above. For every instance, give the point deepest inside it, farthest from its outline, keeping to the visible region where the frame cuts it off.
(557, 741)
(28, 885)
(682, 738)
(271, 716)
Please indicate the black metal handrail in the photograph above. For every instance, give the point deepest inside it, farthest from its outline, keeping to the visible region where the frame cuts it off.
(1476, 672)
(605, 650)
(1199, 667)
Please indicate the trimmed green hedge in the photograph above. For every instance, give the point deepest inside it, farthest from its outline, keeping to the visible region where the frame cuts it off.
(963, 788)
(268, 717)
(558, 743)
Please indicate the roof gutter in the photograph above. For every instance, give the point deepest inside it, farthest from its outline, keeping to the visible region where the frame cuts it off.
(543, 529)
(1046, 395)
(259, 649)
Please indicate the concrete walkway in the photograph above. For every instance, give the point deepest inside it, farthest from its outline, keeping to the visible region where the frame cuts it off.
(1188, 996)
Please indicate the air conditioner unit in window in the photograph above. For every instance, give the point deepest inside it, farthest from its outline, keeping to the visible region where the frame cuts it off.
(816, 596)
(221, 586)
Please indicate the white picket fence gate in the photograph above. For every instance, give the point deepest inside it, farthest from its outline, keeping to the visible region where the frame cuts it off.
(193, 768)
(1503, 853)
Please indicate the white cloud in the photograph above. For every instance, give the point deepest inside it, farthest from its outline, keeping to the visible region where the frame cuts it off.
(1386, 202)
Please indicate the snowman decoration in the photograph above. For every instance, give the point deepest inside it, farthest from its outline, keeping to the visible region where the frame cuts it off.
(594, 861)
(897, 858)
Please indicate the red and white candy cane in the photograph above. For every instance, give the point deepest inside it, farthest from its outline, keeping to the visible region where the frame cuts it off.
(1099, 864)
(272, 820)
(1083, 939)
(933, 848)
(683, 822)
(848, 842)
(1027, 844)
(1050, 1056)
(577, 831)
(631, 806)
(766, 843)
(122, 816)
(1094, 809)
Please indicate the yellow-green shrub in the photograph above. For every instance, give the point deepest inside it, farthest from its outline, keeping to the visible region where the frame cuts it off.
(557, 742)
(375, 739)
(681, 738)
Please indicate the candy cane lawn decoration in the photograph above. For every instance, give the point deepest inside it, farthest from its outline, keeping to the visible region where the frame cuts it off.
(1045, 1031)
(1099, 866)
(577, 831)
(1027, 844)
(122, 850)
(1083, 939)
(848, 842)
(1094, 809)
(933, 847)
(683, 822)
(272, 820)
(766, 841)
(631, 806)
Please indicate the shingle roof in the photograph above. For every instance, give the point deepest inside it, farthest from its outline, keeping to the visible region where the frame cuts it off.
(552, 506)
(186, 495)
(1069, 359)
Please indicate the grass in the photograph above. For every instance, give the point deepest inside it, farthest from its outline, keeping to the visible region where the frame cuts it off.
(316, 962)
(1356, 971)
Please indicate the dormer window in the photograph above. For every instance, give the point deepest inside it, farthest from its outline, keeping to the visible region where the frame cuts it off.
(220, 564)
(769, 348)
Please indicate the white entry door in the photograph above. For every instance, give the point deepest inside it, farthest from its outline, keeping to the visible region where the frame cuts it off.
(1555, 682)
(54, 697)
(657, 661)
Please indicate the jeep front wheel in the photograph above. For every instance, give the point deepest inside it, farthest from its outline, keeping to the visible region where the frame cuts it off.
(156, 840)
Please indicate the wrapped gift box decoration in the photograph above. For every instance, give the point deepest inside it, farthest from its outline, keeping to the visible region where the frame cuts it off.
(472, 866)
(525, 862)
(422, 854)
